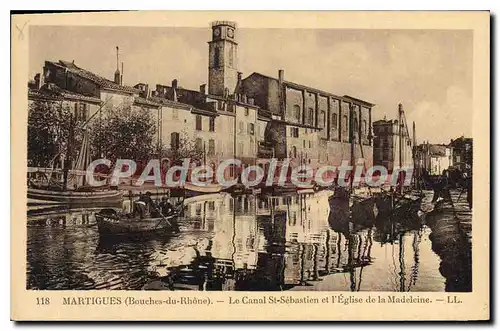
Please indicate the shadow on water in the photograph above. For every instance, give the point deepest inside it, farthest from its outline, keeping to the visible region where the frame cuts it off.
(451, 242)
(245, 243)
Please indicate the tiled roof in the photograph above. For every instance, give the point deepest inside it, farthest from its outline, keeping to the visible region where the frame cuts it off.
(170, 103)
(311, 89)
(101, 81)
(146, 102)
(315, 90)
(298, 86)
(56, 93)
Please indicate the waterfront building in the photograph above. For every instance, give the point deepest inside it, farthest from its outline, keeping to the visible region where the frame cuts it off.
(312, 126)
(251, 119)
(392, 145)
(68, 76)
(433, 158)
(440, 158)
(461, 149)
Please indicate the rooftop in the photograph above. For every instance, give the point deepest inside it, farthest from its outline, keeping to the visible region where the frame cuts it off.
(54, 92)
(99, 80)
(315, 90)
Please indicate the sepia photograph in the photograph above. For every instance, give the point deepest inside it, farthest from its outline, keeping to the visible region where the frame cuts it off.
(224, 157)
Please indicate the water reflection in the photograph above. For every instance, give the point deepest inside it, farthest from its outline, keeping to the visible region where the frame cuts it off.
(246, 243)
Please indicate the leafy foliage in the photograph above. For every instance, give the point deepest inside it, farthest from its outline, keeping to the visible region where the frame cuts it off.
(124, 132)
(49, 124)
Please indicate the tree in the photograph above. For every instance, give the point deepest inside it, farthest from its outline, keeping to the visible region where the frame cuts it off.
(124, 132)
(49, 124)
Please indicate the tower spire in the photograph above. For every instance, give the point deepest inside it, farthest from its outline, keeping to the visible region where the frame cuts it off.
(118, 76)
(414, 135)
(117, 58)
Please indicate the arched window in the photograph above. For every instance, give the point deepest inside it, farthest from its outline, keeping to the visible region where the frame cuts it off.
(334, 120)
(174, 140)
(322, 119)
(296, 112)
(355, 125)
(346, 122)
(364, 127)
(311, 116)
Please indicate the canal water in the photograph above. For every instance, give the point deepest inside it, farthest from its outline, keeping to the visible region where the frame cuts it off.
(233, 243)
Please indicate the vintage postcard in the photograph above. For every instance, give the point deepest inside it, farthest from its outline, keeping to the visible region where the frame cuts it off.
(250, 166)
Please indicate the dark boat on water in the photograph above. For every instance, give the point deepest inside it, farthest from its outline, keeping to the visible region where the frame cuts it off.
(110, 222)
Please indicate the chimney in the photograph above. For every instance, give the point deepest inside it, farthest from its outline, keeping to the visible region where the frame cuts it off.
(281, 76)
(145, 91)
(203, 88)
(121, 77)
(239, 76)
(37, 81)
(174, 90)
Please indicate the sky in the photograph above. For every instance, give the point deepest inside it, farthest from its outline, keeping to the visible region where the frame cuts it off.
(428, 71)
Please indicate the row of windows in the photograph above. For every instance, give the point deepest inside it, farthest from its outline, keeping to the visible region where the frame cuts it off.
(211, 125)
(294, 131)
(175, 143)
(297, 113)
(293, 154)
(322, 119)
(250, 128)
(199, 145)
(199, 123)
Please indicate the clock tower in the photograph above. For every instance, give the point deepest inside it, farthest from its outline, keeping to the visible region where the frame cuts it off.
(222, 59)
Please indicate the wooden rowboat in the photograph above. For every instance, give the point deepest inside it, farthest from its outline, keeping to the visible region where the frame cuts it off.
(109, 222)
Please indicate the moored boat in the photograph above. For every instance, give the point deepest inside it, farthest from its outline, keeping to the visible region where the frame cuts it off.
(72, 197)
(109, 222)
(190, 189)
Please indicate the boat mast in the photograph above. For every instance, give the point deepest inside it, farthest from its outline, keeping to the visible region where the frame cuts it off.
(400, 118)
(400, 134)
(414, 154)
(234, 142)
(353, 141)
(69, 151)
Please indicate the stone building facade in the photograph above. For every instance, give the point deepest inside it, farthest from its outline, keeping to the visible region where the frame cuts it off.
(318, 123)
(389, 143)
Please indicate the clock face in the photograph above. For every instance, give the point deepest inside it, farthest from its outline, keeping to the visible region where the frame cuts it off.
(217, 32)
(230, 33)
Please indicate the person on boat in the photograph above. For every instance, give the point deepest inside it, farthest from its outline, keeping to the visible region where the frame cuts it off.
(148, 201)
(141, 206)
(166, 207)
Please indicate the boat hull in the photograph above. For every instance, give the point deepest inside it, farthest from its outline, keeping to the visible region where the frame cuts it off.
(109, 224)
(75, 197)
